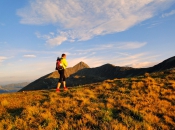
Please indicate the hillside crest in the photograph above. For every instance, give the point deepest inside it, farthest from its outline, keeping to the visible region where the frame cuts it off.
(81, 74)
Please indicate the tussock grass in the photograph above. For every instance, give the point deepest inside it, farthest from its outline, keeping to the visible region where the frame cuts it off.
(144, 102)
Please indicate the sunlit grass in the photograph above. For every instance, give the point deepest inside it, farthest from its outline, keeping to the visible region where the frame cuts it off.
(144, 102)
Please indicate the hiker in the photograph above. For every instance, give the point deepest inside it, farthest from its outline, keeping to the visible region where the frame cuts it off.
(61, 66)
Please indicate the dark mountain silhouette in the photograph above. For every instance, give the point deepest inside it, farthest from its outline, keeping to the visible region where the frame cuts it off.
(81, 74)
(50, 80)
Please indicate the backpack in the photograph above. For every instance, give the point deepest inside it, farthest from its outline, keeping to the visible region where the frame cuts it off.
(58, 64)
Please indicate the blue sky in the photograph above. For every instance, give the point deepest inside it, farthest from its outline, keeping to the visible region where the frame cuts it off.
(137, 33)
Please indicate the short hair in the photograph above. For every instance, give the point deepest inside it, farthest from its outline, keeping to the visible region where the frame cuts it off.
(63, 55)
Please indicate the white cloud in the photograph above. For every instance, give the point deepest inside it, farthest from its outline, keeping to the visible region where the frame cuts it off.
(131, 45)
(113, 54)
(98, 55)
(168, 14)
(82, 20)
(143, 64)
(154, 24)
(29, 56)
(57, 40)
(2, 58)
(112, 47)
(138, 60)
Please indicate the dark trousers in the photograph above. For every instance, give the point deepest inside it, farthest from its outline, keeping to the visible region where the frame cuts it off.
(62, 76)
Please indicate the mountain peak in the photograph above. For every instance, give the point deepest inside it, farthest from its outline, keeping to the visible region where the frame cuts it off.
(81, 64)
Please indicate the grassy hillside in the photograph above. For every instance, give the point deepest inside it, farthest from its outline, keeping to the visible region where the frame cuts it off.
(146, 102)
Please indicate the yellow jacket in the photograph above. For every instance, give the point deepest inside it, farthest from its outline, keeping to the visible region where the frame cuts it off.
(64, 63)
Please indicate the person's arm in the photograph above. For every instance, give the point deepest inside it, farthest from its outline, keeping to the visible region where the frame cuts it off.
(65, 64)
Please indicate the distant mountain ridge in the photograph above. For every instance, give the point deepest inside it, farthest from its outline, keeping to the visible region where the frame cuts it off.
(12, 87)
(82, 74)
(2, 90)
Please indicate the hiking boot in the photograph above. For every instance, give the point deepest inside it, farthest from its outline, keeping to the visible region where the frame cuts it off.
(65, 88)
(57, 90)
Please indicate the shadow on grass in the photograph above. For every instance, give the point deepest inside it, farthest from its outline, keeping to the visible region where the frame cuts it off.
(77, 116)
(61, 115)
(116, 114)
(15, 112)
(46, 97)
(66, 94)
(135, 115)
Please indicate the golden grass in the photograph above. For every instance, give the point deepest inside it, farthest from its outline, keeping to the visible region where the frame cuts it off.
(144, 102)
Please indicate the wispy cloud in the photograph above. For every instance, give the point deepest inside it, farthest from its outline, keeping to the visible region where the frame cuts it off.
(154, 24)
(94, 55)
(131, 45)
(114, 54)
(168, 14)
(57, 40)
(29, 56)
(82, 20)
(14, 53)
(138, 60)
(143, 64)
(2, 58)
(112, 47)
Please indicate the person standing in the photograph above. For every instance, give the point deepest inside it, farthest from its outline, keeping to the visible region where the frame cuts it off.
(63, 64)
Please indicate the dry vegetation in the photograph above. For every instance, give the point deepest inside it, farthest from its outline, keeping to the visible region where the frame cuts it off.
(139, 103)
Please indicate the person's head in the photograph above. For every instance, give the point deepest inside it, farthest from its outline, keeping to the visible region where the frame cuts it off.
(58, 58)
(63, 55)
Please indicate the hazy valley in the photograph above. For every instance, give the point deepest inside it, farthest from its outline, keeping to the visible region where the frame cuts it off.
(12, 87)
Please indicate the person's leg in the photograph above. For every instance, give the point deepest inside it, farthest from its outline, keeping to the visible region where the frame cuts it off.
(60, 80)
(58, 85)
(64, 84)
(64, 81)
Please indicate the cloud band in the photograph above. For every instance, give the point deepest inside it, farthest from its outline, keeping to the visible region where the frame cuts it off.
(81, 20)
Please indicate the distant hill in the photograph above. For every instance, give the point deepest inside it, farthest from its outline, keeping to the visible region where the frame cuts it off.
(12, 87)
(2, 90)
(81, 74)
